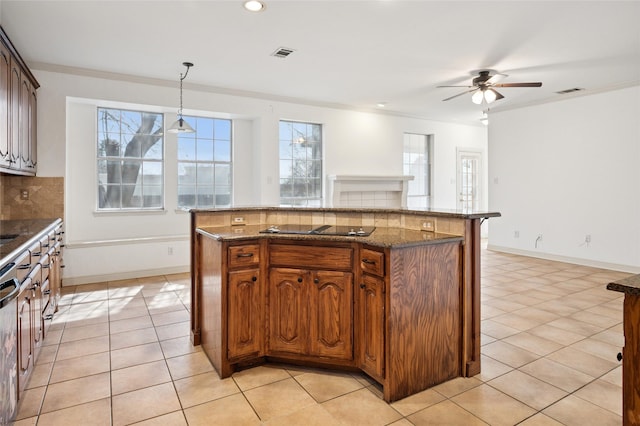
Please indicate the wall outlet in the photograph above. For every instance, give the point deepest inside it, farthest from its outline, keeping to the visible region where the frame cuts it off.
(587, 238)
(24, 194)
(170, 251)
(427, 225)
(238, 220)
(516, 234)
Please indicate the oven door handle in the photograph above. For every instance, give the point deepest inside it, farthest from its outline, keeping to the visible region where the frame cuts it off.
(12, 294)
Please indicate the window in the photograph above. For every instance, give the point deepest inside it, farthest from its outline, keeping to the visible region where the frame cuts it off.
(417, 163)
(130, 160)
(300, 164)
(204, 164)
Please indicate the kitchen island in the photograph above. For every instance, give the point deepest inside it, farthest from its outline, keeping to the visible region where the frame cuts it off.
(401, 304)
(631, 352)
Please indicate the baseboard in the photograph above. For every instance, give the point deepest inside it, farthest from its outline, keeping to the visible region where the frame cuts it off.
(574, 260)
(89, 279)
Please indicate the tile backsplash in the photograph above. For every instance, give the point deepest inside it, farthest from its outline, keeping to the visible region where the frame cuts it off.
(44, 197)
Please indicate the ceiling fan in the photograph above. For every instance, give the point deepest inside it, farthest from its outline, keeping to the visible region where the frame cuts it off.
(484, 87)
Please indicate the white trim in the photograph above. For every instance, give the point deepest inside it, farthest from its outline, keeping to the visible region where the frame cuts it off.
(89, 279)
(567, 259)
(121, 241)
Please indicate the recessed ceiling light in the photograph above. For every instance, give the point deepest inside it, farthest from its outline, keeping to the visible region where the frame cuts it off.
(254, 6)
(382, 104)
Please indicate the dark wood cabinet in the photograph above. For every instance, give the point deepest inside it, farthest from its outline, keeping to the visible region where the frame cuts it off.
(311, 312)
(18, 112)
(630, 361)
(331, 314)
(5, 85)
(371, 320)
(245, 302)
(288, 317)
(15, 80)
(630, 355)
(400, 313)
(311, 299)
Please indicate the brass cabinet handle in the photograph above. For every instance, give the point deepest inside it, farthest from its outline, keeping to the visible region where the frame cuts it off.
(371, 262)
(245, 255)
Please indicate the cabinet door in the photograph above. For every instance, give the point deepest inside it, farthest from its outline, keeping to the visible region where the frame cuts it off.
(33, 129)
(371, 327)
(14, 114)
(288, 318)
(25, 125)
(245, 314)
(25, 334)
(5, 75)
(331, 314)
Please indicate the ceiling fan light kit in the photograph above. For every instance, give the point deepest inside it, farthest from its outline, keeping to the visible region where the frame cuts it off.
(483, 86)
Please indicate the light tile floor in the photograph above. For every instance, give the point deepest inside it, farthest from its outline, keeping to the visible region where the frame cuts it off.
(118, 353)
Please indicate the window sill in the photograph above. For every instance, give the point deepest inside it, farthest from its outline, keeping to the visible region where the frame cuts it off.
(129, 212)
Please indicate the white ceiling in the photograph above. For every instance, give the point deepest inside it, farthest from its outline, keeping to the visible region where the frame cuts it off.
(352, 53)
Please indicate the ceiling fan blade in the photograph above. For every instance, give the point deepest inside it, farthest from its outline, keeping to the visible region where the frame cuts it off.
(538, 84)
(496, 78)
(460, 94)
(498, 94)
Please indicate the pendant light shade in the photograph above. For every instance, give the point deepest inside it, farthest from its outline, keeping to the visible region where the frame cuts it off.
(181, 126)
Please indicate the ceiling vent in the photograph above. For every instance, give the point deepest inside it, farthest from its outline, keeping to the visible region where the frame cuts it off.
(575, 89)
(282, 52)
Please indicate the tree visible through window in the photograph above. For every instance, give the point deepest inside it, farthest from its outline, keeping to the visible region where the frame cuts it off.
(300, 164)
(130, 159)
(204, 164)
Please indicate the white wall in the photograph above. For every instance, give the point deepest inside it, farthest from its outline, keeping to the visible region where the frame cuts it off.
(566, 170)
(109, 246)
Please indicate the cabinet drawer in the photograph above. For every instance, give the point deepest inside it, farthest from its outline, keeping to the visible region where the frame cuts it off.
(314, 257)
(372, 262)
(247, 255)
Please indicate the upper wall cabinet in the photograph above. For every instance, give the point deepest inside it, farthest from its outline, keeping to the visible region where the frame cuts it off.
(18, 109)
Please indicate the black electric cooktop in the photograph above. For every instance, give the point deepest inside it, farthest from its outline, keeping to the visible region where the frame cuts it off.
(354, 231)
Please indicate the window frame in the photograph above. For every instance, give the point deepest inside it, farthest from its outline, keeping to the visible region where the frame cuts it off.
(139, 185)
(426, 165)
(192, 120)
(316, 162)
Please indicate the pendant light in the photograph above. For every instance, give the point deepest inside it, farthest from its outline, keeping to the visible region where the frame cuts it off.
(181, 126)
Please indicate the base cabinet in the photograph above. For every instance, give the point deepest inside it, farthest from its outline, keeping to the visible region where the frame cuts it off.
(371, 320)
(39, 272)
(288, 323)
(400, 323)
(311, 312)
(630, 361)
(246, 314)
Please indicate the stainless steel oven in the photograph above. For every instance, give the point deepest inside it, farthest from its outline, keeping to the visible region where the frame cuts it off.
(9, 289)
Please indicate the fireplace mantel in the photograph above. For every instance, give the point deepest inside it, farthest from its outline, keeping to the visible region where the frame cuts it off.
(367, 191)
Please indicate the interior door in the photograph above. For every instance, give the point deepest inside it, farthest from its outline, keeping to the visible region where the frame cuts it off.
(469, 179)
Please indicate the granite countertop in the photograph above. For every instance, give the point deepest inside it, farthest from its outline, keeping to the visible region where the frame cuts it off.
(25, 232)
(452, 213)
(381, 237)
(629, 285)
